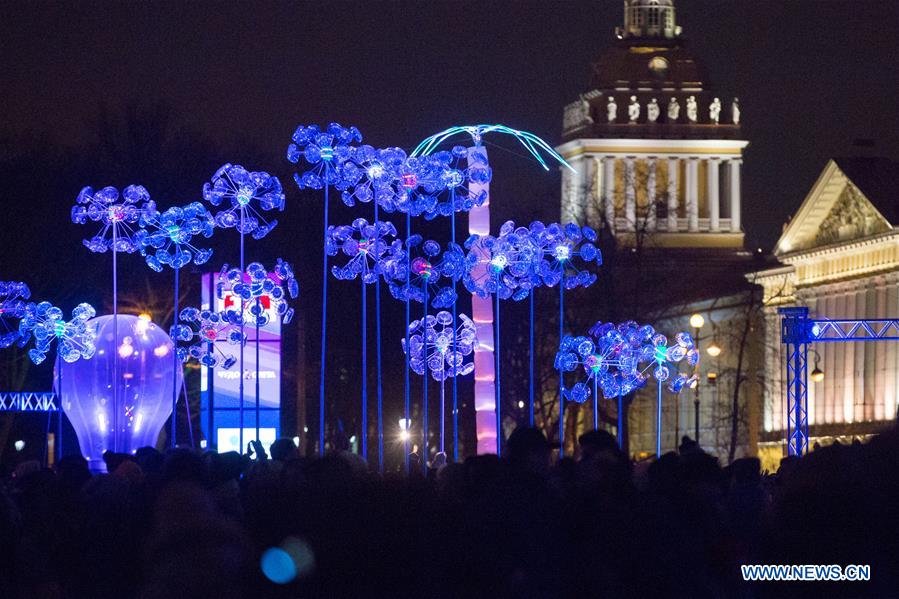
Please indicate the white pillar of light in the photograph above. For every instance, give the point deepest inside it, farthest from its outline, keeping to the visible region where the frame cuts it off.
(651, 193)
(630, 194)
(693, 195)
(735, 224)
(673, 164)
(714, 201)
(608, 190)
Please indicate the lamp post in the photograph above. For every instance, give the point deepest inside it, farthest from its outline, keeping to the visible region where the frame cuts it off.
(817, 375)
(696, 321)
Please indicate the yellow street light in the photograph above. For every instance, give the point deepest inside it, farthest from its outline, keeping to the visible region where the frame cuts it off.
(713, 350)
(696, 321)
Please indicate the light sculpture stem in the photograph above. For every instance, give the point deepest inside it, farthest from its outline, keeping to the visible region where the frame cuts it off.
(240, 381)
(258, 308)
(443, 414)
(58, 442)
(378, 350)
(115, 340)
(190, 426)
(620, 432)
(321, 387)
(407, 422)
(364, 427)
(175, 361)
(455, 370)
(499, 418)
(595, 402)
(424, 389)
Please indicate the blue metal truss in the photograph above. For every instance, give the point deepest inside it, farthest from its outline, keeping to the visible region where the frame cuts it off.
(797, 332)
(28, 402)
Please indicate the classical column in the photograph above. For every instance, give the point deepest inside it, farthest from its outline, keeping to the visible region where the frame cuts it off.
(693, 195)
(673, 164)
(712, 185)
(593, 177)
(651, 193)
(848, 399)
(880, 358)
(735, 224)
(862, 384)
(892, 373)
(630, 194)
(574, 192)
(871, 373)
(608, 190)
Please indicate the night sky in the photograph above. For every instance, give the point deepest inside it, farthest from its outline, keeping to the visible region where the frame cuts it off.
(812, 76)
(162, 93)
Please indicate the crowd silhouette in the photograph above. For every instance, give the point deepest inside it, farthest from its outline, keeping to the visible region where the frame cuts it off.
(200, 524)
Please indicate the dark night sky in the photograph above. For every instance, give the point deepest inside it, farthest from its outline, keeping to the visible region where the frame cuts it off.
(812, 75)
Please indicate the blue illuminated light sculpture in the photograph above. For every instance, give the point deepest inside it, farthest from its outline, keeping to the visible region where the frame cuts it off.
(14, 296)
(322, 151)
(247, 194)
(204, 331)
(620, 359)
(166, 240)
(46, 323)
(263, 295)
(367, 247)
(434, 345)
(121, 218)
(430, 273)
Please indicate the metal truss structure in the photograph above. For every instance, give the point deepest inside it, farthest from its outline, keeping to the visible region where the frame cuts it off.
(797, 332)
(28, 402)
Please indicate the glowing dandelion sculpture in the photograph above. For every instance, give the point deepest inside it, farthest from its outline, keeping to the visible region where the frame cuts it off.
(262, 296)
(434, 345)
(244, 196)
(14, 296)
(479, 175)
(121, 219)
(620, 359)
(323, 151)
(367, 248)
(167, 239)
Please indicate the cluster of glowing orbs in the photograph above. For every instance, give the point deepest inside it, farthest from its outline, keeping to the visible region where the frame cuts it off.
(368, 247)
(166, 237)
(506, 264)
(619, 359)
(205, 331)
(322, 151)
(247, 194)
(46, 323)
(118, 214)
(14, 296)
(563, 251)
(435, 346)
(429, 271)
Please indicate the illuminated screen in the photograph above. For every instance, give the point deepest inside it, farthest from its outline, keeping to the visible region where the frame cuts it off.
(220, 388)
(229, 438)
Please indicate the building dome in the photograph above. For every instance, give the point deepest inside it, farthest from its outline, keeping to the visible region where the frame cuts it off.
(649, 19)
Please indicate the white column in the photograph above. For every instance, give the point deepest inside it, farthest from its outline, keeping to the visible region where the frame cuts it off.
(651, 193)
(735, 223)
(593, 191)
(880, 355)
(871, 374)
(693, 195)
(673, 164)
(608, 190)
(892, 384)
(712, 185)
(630, 194)
(849, 414)
(862, 384)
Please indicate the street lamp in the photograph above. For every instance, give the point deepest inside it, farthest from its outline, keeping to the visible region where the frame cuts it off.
(713, 350)
(817, 374)
(696, 321)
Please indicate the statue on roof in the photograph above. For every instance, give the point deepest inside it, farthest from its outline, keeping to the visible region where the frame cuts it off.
(673, 110)
(612, 110)
(692, 109)
(715, 111)
(652, 111)
(633, 110)
(735, 111)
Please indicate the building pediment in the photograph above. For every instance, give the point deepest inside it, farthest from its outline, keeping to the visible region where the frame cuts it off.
(836, 210)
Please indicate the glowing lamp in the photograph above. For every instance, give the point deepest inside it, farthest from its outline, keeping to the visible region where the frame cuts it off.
(696, 321)
(19, 445)
(817, 375)
(713, 350)
(145, 382)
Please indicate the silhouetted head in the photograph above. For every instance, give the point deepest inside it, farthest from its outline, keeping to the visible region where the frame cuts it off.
(284, 450)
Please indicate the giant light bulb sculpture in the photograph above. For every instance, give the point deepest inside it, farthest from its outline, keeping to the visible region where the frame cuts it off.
(167, 240)
(620, 359)
(246, 195)
(322, 151)
(479, 224)
(435, 346)
(121, 217)
(146, 381)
